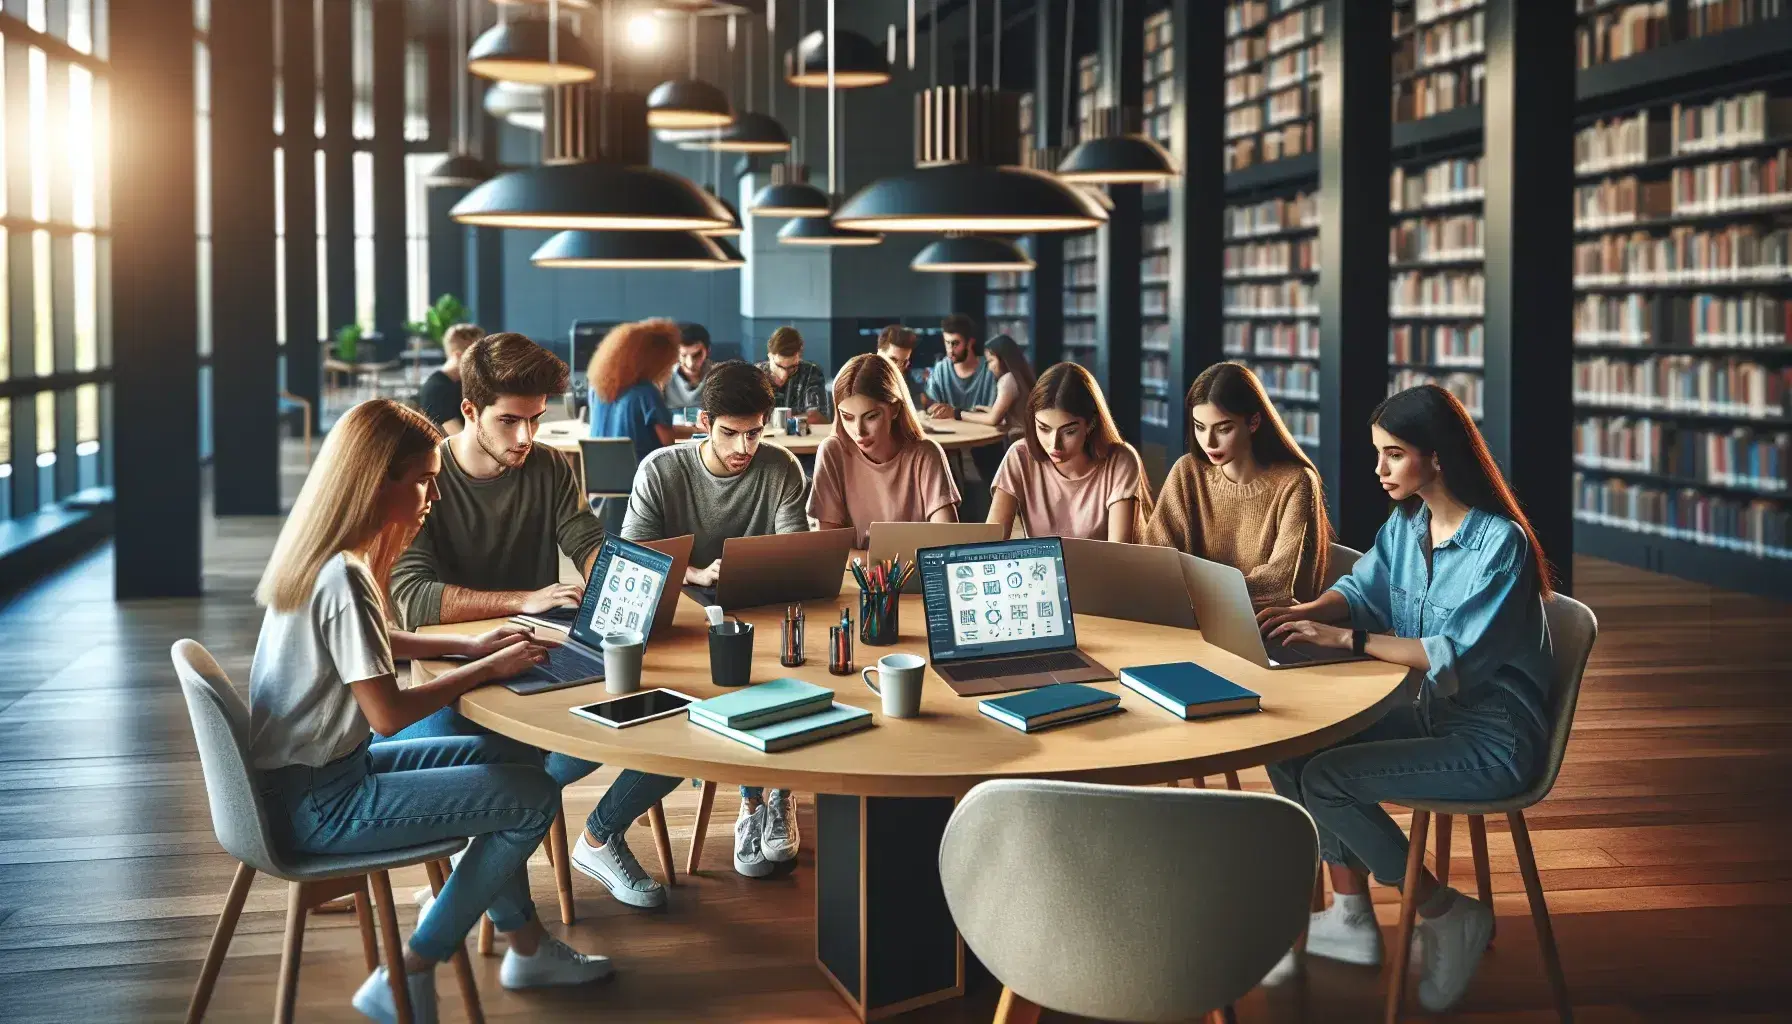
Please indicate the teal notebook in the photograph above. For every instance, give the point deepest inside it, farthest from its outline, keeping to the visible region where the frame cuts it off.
(1049, 705)
(763, 704)
(1186, 689)
(794, 732)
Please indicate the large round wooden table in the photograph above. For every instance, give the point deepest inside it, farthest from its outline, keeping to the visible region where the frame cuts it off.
(884, 937)
(953, 435)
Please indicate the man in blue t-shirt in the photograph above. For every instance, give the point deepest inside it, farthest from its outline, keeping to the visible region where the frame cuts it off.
(961, 380)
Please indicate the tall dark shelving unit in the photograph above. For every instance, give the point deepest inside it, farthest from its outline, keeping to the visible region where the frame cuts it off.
(1007, 297)
(1683, 293)
(1159, 405)
(1081, 278)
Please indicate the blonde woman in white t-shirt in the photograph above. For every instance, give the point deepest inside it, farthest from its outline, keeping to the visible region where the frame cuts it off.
(324, 680)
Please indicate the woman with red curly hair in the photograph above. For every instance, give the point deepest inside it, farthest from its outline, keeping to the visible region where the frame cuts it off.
(628, 374)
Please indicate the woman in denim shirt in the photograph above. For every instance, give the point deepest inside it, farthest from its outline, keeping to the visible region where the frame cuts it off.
(1454, 590)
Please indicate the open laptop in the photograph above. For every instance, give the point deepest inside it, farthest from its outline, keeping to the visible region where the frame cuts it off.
(623, 593)
(1228, 620)
(902, 540)
(680, 550)
(779, 568)
(999, 618)
(1127, 581)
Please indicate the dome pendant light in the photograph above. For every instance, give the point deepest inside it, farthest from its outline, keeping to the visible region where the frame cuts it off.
(1118, 152)
(688, 102)
(533, 51)
(972, 254)
(965, 179)
(631, 250)
(462, 168)
(858, 62)
(823, 230)
(790, 194)
(752, 132)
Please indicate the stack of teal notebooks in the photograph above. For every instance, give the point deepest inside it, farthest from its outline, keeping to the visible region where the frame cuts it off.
(778, 715)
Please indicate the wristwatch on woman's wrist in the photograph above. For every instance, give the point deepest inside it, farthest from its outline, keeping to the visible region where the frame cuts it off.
(1358, 639)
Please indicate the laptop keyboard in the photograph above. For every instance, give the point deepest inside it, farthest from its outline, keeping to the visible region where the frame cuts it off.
(566, 663)
(1012, 667)
(1294, 654)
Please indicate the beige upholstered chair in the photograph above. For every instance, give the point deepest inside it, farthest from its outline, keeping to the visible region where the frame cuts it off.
(1572, 630)
(1126, 903)
(1342, 559)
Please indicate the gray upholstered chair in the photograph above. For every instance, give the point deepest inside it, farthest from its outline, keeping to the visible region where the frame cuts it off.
(220, 727)
(1572, 630)
(1342, 559)
(1199, 894)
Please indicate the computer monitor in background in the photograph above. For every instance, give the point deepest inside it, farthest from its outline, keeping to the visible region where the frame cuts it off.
(581, 342)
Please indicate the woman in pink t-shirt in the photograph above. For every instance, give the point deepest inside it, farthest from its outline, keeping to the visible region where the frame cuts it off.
(1071, 475)
(878, 467)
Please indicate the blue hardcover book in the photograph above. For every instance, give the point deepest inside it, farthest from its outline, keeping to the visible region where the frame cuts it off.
(1049, 705)
(763, 704)
(795, 732)
(1186, 689)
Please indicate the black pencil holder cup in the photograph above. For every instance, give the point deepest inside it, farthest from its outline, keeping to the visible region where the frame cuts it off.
(731, 653)
(878, 615)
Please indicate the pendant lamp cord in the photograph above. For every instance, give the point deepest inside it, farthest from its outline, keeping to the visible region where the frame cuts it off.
(551, 132)
(911, 35)
(995, 57)
(973, 6)
(690, 40)
(1069, 60)
(833, 147)
(802, 95)
(771, 58)
(460, 76)
(933, 45)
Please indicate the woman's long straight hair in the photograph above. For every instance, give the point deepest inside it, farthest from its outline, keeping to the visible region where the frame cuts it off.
(1012, 359)
(338, 509)
(1435, 422)
(1071, 388)
(872, 376)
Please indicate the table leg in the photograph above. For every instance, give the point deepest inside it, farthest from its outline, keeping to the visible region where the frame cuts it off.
(883, 934)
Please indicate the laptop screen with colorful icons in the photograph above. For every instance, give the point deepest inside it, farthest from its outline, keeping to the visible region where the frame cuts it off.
(991, 599)
(622, 593)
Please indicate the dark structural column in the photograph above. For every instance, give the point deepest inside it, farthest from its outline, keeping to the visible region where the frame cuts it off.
(339, 161)
(485, 246)
(299, 75)
(154, 303)
(1197, 201)
(1120, 244)
(1353, 259)
(389, 256)
(245, 352)
(1528, 171)
(1045, 295)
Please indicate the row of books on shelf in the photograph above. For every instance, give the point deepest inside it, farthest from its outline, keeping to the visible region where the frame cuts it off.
(1006, 304)
(1080, 247)
(1679, 321)
(1244, 15)
(1439, 92)
(1267, 259)
(1154, 410)
(1277, 144)
(1686, 255)
(1294, 66)
(1155, 337)
(1299, 339)
(1455, 345)
(1732, 185)
(1155, 269)
(1761, 527)
(1010, 281)
(1468, 388)
(1244, 87)
(1621, 32)
(1709, 17)
(1154, 372)
(1080, 274)
(1424, 12)
(1285, 298)
(1296, 28)
(1725, 458)
(1459, 237)
(1244, 51)
(1154, 301)
(1303, 424)
(1283, 213)
(1745, 119)
(1083, 303)
(1276, 109)
(1017, 329)
(1080, 333)
(1156, 236)
(1699, 385)
(1292, 381)
(1437, 293)
(1442, 43)
(1440, 184)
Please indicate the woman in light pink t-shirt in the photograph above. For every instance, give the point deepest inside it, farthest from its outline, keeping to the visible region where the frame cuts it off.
(878, 467)
(1071, 475)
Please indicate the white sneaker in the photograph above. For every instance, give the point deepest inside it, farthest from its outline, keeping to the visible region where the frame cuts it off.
(749, 857)
(374, 997)
(614, 865)
(554, 963)
(1283, 971)
(779, 842)
(426, 896)
(1452, 947)
(1346, 931)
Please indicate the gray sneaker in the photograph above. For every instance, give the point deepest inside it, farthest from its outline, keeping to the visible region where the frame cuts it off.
(1452, 948)
(374, 998)
(780, 840)
(749, 857)
(614, 865)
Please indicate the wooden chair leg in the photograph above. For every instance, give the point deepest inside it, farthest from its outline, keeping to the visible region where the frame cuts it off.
(1015, 1009)
(1224, 1015)
(1477, 844)
(221, 936)
(1400, 957)
(488, 934)
(370, 949)
(1546, 936)
(463, 969)
(662, 841)
(1200, 781)
(556, 846)
(1442, 828)
(287, 993)
(1319, 888)
(704, 803)
(389, 938)
(1232, 782)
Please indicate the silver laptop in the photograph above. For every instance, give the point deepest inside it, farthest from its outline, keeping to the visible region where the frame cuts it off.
(902, 540)
(680, 550)
(1136, 582)
(1227, 619)
(624, 590)
(779, 568)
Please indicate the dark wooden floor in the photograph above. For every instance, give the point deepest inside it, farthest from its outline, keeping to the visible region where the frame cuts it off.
(1666, 848)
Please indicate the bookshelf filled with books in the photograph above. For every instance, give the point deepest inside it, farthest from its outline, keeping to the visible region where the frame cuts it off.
(1436, 285)
(1081, 296)
(1159, 404)
(1439, 57)
(1271, 270)
(1273, 52)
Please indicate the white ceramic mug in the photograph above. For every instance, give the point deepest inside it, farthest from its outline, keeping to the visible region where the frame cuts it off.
(900, 676)
(622, 660)
(780, 417)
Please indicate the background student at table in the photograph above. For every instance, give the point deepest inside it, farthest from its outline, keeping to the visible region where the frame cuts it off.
(797, 384)
(439, 396)
(877, 467)
(961, 379)
(507, 509)
(730, 485)
(627, 371)
(684, 389)
(1245, 494)
(897, 344)
(1071, 475)
(324, 677)
(1453, 589)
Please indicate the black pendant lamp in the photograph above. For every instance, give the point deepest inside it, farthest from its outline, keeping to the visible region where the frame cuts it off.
(630, 250)
(789, 195)
(462, 168)
(858, 62)
(688, 102)
(1117, 151)
(823, 231)
(729, 231)
(526, 51)
(972, 254)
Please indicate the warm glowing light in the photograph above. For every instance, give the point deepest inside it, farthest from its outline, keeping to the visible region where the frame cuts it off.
(643, 31)
(997, 225)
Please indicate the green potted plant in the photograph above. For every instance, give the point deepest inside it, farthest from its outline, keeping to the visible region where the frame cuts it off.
(443, 314)
(348, 342)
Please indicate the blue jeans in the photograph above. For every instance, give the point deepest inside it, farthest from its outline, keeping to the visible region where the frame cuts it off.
(629, 797)
(1476, 749)
(757, 793)
(404, 792)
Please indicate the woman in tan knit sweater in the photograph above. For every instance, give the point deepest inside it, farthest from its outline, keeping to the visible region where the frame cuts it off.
(1245, 494)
